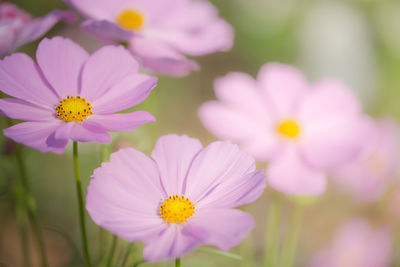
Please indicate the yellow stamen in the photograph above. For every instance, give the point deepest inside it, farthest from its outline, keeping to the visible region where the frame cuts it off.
(289, 128)
(130, 19)
(176, 209)
(73, 109)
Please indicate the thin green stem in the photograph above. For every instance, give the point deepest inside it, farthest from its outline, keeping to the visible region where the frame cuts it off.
(178, 262)
(112, 250)
(104, 156)
(290, 245)
(22, 220)
(81, 206)
(31, 207)
(272, 232)
(397, 248)
(126, 255)
(221, 253)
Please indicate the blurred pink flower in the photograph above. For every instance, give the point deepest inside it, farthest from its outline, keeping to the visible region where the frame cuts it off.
(302, 130)
(368, 176)
(182, 199)
(18, 27)
(357, 245)
(160, 33)
(71, 95)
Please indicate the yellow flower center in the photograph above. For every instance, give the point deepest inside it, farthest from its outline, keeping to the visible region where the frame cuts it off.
(288, 128)
(73, 109)
(176, 209)
(130, 19)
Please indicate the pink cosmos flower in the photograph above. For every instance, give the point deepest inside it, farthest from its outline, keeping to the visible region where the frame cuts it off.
(160, 33)
(369, 174)
(357, 245)
(302, 129)
(70, 95)
(18, 27)
(181, 199)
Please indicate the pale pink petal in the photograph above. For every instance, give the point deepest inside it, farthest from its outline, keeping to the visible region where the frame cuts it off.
(169, 244)
(126, 93)
(20, 78)
(39, 26)
(194, 29)
(263, 146)
(223, 228)
(283, 88)
(289, 174)
(216, 165)
(105, 68)
(8, 35)
(61, 61)
(161, 57)
(230, 123)
(106, 30)
(241, 91)
(38, 135)
(21, 110)
(124, 196)
(330, 117)
(83, 132)
(235, 192)
(174, 155)
(122, 122)
(97, 9)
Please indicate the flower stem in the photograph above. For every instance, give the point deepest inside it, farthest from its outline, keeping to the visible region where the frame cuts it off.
(30, 206)
(112, 250)
(126, 255)
(272, 232)
(81, 205)
(290, 244)
(178, 262)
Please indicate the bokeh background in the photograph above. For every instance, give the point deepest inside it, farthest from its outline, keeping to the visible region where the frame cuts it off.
(357, 41)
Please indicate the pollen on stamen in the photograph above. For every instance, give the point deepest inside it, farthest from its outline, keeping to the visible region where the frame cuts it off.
(73, 108)
(176, 209)
(288, 128)
(130, 19)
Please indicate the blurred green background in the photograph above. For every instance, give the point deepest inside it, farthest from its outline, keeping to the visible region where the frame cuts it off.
(357, 41)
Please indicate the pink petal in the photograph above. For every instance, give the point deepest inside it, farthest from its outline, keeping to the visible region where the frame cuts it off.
(223, 228)
(283, 87)
(135, 176)
(106, 30)
(124, 196)
(161, 57)
(127, 93)
(105, 68)
(122, 122)
(331, 125)
(194, 28)
(7, 36)
(169, 244)
(235, 192)
(83, 132)
(20, 78)
(215, 166)
(39, 26)
(97, 9)
(230, 123)
(289, 174)
(21, 110)
(61, 61)
(262, 147)
(38, 135)
(241, 91)
(174, 155)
